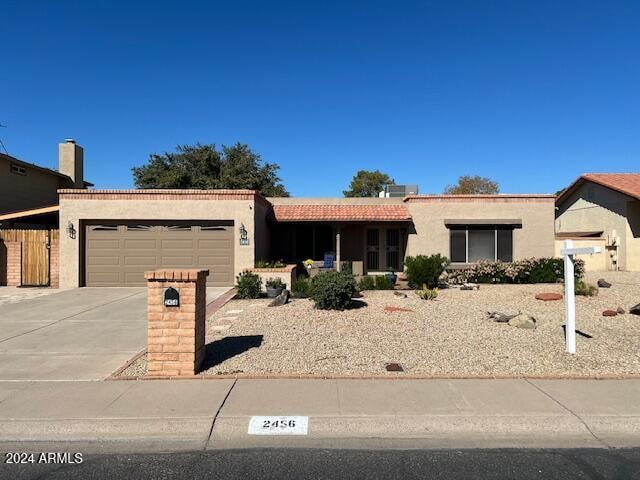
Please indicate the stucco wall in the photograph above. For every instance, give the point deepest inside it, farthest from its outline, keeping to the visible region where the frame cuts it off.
(593, 207)
(21, 192)
(535, 238)
(85, 208)
(595, 262)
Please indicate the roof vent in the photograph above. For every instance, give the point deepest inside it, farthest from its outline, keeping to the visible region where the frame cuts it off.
(69, 140)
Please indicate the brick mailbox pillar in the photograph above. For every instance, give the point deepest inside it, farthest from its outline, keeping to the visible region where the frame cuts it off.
(176, 334)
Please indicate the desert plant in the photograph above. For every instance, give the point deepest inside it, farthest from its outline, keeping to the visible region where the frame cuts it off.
(425, 270)
(333, 290)
(426, 293)
(301, 288)
(248, 285)
(275, 283)
(383, 283)
(585, 289)
(367, 283)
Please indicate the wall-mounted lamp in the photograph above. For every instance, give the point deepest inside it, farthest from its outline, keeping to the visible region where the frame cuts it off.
(71, 230)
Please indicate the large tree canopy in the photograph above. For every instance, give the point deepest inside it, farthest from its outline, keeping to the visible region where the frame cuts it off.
(468, 185)
(205, 167)
(366, 183)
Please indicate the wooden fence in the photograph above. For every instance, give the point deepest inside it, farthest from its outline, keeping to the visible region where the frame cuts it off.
(36, 253)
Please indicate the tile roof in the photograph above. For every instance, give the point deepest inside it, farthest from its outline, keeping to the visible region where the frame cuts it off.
(348, 213)
(627, 183)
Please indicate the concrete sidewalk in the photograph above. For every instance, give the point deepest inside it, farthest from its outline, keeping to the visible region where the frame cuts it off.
(214, 414)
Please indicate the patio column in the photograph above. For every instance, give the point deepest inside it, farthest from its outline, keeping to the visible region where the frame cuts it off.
(338, 266)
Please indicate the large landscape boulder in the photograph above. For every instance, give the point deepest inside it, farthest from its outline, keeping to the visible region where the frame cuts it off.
(470, 286)
(602, 283)
(523, 321)
(281, 299)
(635, 310)
(501, 317)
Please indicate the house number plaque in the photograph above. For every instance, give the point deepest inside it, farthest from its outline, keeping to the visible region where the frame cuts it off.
(171, 297)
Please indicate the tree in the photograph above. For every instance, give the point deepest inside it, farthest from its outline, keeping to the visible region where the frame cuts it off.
(204, 167)
(366, 183)
(476, 185)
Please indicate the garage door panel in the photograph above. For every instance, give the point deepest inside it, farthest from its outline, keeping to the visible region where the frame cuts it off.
(106, 260)
(146, 261)
(120, 256)
(104, 243)
(177, 244)
(141, 244)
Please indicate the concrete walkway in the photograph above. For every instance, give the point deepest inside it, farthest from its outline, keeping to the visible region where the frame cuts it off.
(79, 334)
(213, 414)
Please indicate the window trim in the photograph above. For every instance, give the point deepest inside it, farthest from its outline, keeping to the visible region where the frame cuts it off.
(18, 169)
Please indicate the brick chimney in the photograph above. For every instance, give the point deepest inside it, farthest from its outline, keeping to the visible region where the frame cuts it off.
(71, 161)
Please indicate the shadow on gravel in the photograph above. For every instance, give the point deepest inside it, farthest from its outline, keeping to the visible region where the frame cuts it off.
(228, 347)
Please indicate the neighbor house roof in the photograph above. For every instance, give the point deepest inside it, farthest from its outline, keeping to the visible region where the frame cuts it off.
(627, 183)
(31, 165)
(348, 213)
(30, 212)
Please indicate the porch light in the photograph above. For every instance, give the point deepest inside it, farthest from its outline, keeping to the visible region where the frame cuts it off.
(71, 231)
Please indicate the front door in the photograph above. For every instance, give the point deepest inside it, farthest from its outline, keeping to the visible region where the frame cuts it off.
(373, 249)
(392, 248)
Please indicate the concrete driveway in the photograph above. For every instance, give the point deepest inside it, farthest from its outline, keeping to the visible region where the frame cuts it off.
(80, 334)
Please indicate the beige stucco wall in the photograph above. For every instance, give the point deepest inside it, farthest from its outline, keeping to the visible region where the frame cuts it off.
(21, 192)
(593, 207)
(75, 210)
(592, 263)
(431, 236)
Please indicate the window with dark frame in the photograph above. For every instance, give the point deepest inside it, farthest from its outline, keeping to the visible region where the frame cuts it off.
(475, 243)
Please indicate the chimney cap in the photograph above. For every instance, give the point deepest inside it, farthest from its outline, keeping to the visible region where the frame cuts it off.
(69, 140)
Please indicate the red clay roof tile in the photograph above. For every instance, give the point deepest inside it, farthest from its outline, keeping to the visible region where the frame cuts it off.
(349, 213)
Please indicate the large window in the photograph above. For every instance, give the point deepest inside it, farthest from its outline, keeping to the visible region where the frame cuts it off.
(469, 244)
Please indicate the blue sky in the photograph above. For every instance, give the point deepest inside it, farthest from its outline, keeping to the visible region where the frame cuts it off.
(530, 94)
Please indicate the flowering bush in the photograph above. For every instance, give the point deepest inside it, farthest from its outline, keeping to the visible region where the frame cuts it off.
(530, 270)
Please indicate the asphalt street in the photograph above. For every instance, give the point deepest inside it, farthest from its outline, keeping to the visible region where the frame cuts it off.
(348, 464)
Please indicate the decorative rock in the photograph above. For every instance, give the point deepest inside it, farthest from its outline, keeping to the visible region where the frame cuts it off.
(548, 296)
(602, 283)
(400, 294)
(389, 309)
(609, 313)
(501, 317)
(621, 311)
(442, 284)
(280, 300)
(523, 321)
(470, 286)
(635, 310)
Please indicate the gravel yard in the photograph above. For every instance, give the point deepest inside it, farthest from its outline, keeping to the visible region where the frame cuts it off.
(449, 336)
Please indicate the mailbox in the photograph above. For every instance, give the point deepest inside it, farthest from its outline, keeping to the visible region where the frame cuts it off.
(171, 297)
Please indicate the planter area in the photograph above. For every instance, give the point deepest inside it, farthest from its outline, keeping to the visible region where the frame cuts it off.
(451, 336)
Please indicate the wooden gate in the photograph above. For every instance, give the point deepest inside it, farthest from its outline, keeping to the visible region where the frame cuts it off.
(36, 247)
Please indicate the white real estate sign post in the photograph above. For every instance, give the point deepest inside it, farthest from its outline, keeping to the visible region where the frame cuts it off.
(569, 290)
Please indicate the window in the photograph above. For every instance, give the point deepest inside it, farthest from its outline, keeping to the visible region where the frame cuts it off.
(18, 169)
(470, 244)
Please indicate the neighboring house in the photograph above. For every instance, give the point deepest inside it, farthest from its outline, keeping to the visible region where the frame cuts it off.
(29, 193)
(113, 236)
(603, 209)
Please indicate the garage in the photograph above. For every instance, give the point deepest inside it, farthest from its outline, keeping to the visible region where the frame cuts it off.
(118, 253)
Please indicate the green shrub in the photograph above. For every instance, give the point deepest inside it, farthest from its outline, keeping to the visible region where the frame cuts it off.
(333, 290)
(423, 270)
(270, 264)
(427, 293)
(586, 289)
(248, 285)
(367, 283)
(383, 283)
(301, 288)
(275, 283)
